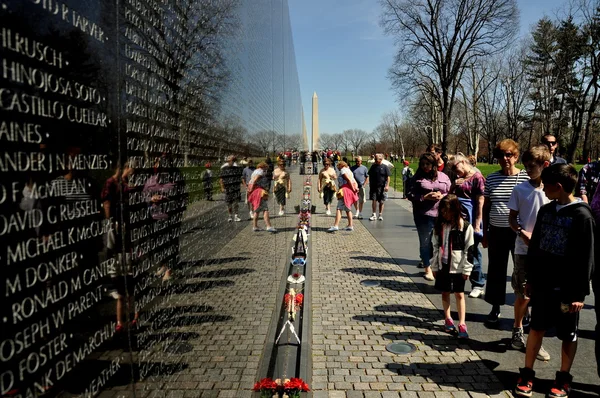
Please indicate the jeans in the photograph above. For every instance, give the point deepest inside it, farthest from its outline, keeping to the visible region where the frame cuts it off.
(501, 243)
(424, 226)
(476, 277)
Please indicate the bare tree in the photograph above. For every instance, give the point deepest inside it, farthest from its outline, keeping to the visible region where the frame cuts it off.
(355, 138)
(436, 39)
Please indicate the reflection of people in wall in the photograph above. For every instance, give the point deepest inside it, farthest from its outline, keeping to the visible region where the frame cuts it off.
(114, 197)
(231, 180)
(157, 194)
(246, 177)
(207, 181)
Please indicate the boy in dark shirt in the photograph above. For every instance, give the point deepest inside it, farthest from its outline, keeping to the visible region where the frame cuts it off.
(563, 234)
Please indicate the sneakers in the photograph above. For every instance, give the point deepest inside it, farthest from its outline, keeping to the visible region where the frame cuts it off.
(373, 217)
(281, 212)
(518, 340)
(543, 355)
(462, 332)
(119, 328)
(328, 212)
(236, 218)
(493, 316)
(349, 229)
(429, 276)
(333, 229)
(251, 214)
(449, 326)
(420, 265)
(562, 385)
(524, 385)
(230, 219)
(271, 229)
(380, 217)
(476, 292)
(256, 229)
(359, 216)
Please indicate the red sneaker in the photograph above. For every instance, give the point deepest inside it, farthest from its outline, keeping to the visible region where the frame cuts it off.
(119, 328)
(562, 385)
(524, 385)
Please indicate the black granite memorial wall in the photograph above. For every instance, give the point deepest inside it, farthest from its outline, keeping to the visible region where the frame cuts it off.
(115, 117)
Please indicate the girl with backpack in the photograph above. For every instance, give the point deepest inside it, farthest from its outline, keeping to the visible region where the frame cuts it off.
(452, 261)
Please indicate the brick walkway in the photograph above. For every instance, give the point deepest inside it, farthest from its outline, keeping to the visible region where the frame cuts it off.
(352, 324)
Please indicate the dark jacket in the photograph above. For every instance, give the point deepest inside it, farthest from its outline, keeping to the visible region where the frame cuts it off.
(561, 251)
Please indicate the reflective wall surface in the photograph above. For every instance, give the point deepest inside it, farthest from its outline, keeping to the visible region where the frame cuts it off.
(116, 116)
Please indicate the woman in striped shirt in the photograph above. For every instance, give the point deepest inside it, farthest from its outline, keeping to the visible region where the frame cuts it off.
(498, 237)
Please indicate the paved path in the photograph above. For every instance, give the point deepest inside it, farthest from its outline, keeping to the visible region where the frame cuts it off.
(352, 324)
(220, 314)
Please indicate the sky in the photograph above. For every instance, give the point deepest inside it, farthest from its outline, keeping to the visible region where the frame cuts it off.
(343, 55)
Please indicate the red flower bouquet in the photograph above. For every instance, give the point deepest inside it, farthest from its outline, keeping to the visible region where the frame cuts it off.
(294, 387)
(267, 387)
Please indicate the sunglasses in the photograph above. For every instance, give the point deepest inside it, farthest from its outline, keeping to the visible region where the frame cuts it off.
(551, 143)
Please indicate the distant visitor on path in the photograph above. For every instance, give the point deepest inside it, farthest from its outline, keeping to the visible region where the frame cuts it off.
(258, 196)
(379, 184)
(429, 188)
(326, 185)
(361, 176)
(282, 186)
(498, 237)
(452, 261)
(407, 174)
(347, 195)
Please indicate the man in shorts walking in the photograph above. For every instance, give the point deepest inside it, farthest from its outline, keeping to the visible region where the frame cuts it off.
(379, 183)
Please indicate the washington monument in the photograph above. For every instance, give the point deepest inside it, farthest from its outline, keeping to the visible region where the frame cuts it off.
(315, 122)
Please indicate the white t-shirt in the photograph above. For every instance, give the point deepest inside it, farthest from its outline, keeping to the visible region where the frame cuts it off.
(527, 200)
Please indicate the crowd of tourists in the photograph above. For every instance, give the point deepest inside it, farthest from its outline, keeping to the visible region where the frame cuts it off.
(542, 216)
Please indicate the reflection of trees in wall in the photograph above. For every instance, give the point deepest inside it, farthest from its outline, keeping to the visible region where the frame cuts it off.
(186, 45)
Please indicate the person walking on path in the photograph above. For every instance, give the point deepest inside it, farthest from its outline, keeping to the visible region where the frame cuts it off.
(498, 237)
(347, 195)
(259, 196)
(550, 141)
(588, 181)
(379, 183)
(246, 176)
(361, 176)
(524, 203)
(453, 245)
(407, 174)
(429, 188)
(560, 260)
(468, 187)
(326, 185)
(231, 180)
(282, 186)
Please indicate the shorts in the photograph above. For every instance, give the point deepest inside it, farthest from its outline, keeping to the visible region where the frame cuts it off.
(362, 195)
(447, 282)
(124, 285)
(328, 195)
(517, 279)
(378, 194)
(263, 206)
(341, 205)
(233, 196)
(546, 313)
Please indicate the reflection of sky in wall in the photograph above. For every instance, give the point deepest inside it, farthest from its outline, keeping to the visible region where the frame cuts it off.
(343, 55)
(263, 95)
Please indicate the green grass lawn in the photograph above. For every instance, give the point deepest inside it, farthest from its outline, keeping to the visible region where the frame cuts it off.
(486, 169)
